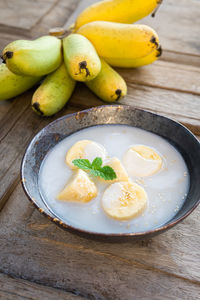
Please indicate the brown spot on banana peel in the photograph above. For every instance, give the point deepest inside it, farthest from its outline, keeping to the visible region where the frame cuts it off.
(36, 106)
(159, 51)
(83, 65)
(159, 2)
(8, 54)
(153, 40)
(118, 92)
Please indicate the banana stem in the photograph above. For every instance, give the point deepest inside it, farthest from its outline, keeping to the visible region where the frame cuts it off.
(61, 32)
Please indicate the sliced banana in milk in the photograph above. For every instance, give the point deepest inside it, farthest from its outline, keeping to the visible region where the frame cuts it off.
(85, 149)
(124, 200)
(142, 161)
(80, 189)
(119, 169)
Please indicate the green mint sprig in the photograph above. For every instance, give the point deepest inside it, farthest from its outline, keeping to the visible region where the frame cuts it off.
(95, 168)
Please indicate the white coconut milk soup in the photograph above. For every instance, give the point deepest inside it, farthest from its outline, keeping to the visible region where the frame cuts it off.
(166, 190)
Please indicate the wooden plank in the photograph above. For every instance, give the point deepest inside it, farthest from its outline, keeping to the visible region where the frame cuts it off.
(180, 58)
(7, 37)
(166, 75)
(13, 146)
(13, 288)
(179, 242)
(80, 7)
(55, 18)
(11, 110)
(180, 106)
(4, 108)
(33, 247)
(23, 14)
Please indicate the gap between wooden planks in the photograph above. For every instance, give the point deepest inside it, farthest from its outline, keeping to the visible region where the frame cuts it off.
(15, 288)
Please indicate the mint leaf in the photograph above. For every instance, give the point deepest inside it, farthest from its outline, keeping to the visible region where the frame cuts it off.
(95, 173)
(83, 164)
(107, 173)
(97, 163)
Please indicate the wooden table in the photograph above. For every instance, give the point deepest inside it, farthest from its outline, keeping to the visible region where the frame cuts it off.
(38, 260)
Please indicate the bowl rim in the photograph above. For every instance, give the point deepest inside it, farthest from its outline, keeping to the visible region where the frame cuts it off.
(93, 233)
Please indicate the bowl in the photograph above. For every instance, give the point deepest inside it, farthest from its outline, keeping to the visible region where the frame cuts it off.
(175, 133)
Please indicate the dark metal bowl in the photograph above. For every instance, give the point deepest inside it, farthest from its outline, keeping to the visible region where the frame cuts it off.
(48, 137)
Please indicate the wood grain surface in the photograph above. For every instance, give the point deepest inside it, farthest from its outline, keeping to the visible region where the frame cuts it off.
(13, 288)
(39, 260)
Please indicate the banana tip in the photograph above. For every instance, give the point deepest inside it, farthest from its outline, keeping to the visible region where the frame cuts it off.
(36, 107)
(7, 54)
(118, 92)
(153, 40)
(159, 51)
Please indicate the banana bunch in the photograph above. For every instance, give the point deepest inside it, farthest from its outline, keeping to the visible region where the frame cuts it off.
(102, 37)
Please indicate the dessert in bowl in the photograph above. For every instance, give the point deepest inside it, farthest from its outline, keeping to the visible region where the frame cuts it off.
(153, 157)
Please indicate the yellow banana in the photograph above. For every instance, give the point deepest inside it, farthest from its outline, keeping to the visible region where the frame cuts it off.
(33, 58)
(53, 93)
(108, 85)
(137, 62)
(12, 85)
(120, 41)
(80, 189)
(122, 11)
(81, 58)
(124, 200)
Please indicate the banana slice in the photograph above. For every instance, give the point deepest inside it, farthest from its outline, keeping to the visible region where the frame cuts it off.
(124, 200)
(120, 171)
(80, 189)
(142, 161)
(85, 149)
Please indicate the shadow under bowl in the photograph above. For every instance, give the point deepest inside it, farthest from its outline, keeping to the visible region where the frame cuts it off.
(178, 135)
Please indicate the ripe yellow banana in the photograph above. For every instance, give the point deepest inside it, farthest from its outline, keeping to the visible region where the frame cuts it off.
(124, 200)
(108, 85)
(53, 93)
(81, 58)
(122, 11)
(12, 85)
(120, 41)
(80, 189)
(33, 58)
(137, 62)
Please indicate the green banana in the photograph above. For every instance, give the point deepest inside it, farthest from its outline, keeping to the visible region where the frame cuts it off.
(81, 58)
(108, 85)
(53, 93)
(33, 58)
(12, 85)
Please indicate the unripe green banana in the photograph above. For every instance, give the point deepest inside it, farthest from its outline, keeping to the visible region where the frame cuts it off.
(81, 58)
(33, 58)
(53, 93)
(12, 85)
(108, 85)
